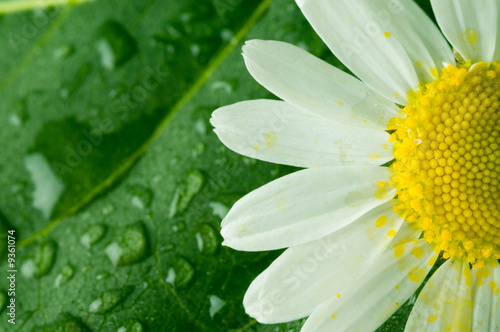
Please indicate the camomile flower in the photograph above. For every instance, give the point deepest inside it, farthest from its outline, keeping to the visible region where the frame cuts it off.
(401, 166)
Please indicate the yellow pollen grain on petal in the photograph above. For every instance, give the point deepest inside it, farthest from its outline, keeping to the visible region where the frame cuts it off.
(470, 36)
(271, 140)
(397, 286)
(417, 252)
(432, 260)
(434, 72)
(399, 251)
(256, 147)
(431, 319)
(340, 103)
(482, 273)
(391, 233)
(467, 274)
(381, 221)
(416, 274)
(387, 34)
(338, 295)
(374, 156)
(333, 316)
(493, 284)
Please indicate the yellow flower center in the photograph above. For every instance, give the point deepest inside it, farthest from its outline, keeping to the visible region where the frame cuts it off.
(447, 161)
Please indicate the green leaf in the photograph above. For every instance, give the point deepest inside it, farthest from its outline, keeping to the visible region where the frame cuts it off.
(112, 176)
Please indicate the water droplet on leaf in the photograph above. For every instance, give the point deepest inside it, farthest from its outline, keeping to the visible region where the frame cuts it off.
(219, 209)
(207, 239)
(109, 299)
(132, 326)
(141, 196)
(170, 279)
(41, 261)
(93, 235)
(191, 186)
(64, 51)
(64, 276)
(131, 247)
(216, 304)
(65, 323)
(115, 45)
(224, 87)
(48, 187)
(184, 272)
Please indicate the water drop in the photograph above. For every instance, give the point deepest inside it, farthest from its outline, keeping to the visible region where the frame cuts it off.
(141, 196)
(114, 253)
(65, 323)
(200, 126)
(219, 209)
(41, 262)
(226, 35)
(102, 276)
(108, 209)
(93, 235)
(206, 239)
(115, 45)
(223, 86)
(170, 279)
(15, 120)
(216, 304)
(64, 276)
(63, 52)
(171, 33)
(132, 246)
(48, 187)
(198, 149)
(28, 268)
(20, 114)
(132, 326)
(199, 241)
(184, 272)
(190, 187)
(109, 299)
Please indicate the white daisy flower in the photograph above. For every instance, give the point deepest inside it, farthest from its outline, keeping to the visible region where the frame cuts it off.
(362, 237)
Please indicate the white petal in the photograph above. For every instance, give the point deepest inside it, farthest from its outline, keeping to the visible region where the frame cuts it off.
(470, 26)
(445, 303)
(496, 56)
(278, 132)
(309, 83)
(486, 299)
(370, 301)
(304, 206)
(306, 275)
(357, 32)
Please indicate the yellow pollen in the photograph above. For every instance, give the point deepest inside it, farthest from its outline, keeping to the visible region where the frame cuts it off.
(447, 161)
(381, 221)
(387, 34)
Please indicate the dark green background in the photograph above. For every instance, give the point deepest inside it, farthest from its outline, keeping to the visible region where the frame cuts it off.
(158, 180)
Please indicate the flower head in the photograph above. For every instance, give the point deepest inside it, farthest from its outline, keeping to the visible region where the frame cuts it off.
(362, 236)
